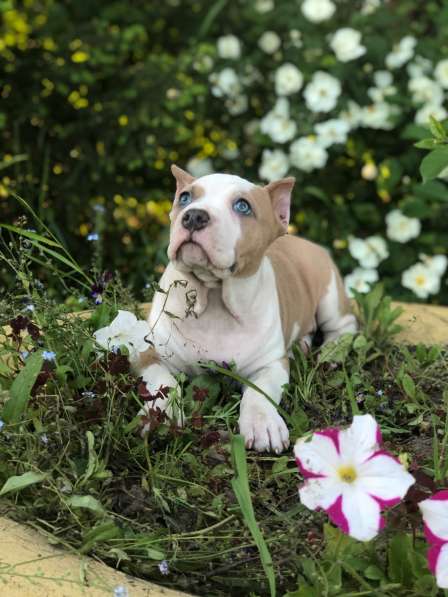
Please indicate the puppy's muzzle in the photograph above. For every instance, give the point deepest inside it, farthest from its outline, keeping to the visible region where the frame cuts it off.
(195, 219)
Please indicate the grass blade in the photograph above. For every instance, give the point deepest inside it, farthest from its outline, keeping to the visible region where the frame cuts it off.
(21, 387)
(240, 485)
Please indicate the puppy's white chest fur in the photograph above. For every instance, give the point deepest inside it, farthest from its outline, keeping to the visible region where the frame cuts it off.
(238, 321)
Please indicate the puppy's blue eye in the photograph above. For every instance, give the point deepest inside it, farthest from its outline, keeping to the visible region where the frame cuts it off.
(241, 206)
(185, 198)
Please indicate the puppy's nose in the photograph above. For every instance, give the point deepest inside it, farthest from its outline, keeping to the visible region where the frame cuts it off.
(195, 219)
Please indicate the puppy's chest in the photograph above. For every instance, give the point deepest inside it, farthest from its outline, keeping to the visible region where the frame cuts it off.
(250, 341)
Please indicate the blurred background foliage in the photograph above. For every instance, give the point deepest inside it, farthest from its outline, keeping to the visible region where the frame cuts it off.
(99, 98)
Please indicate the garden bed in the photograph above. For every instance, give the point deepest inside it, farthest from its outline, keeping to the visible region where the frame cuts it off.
(165, 510)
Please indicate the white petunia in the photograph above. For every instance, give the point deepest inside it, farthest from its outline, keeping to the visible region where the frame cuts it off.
(269, 42)
(229, 47)
(419, 67)
(436, 263)
(277, 124)
(288, 79)
(346, 44)
(225, 83)
(425, 90)
(360, 279)
(383, 79)
(401, 228)
(370, 252)
(296, 38)
(401, 52)
(332, 131)
(435, 517)
(317, 11)
(421, 279)
(274, 165)
(307, 154)
(423, 115)
(350, 477)
(125, 330)
(198, 167)
(370, 6)
(441, 73)
(237, 105)
(321, 94)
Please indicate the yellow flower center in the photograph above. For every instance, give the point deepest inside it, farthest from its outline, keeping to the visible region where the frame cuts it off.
(420, 280)
(347, 473)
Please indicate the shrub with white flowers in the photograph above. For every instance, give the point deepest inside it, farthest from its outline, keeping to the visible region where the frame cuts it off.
(338, 101)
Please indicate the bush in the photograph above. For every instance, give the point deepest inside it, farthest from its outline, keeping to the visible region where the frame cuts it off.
(99, 98)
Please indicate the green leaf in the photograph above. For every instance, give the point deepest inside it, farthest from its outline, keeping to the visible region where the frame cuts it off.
(20, 482)
(437, 129)
(434, 163)
(31, 235)
(408, 385)
(400, 555)
(86, 501)
(336, 351)
(100, 534)
(427, 144)
(240, 485)
(20, 390)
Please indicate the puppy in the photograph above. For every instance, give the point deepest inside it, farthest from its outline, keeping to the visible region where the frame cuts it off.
(239, 289)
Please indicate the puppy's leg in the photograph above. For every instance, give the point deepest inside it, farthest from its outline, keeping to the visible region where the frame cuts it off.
(260, 424)
(334, 316)
(156, 375)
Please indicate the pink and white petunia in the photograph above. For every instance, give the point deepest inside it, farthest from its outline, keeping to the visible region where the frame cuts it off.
(347, 475)
(435, 516)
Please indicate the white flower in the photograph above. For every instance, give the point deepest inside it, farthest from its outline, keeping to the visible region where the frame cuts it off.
(263, 6)
(352, 114)
(307, 154)
(360, 280)
(332, 131)
(237, 105)
(274, 165)
(296, 38)
(401, 52)
(425, 90)
(317, 11)
(441, 73)
(419, 67)
(288, 79)
(229, 47)
(401, 228)
(370, 252)
(436, 263)
(345, 43)
(435, 110)
(369, 171)
(198, 167)
(269, 42)
(277, 123)
(350, 477)
(370, 6)
(321, 94)
(435, 516)
(226, 83)
(125, 330)
(383, 78)
(421, 279)
(378, 116)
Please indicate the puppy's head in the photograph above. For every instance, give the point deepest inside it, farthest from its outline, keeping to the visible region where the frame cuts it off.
(221, 225)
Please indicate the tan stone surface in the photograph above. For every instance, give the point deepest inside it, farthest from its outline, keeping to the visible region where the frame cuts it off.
(427, 324)
(31, 567)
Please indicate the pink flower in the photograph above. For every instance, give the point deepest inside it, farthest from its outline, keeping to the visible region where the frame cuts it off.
(348, 476)
(435, 516)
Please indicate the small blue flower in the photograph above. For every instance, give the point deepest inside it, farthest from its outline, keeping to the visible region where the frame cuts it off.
(380, 393)
(120, 591)
(30, 307)
(88, 394)
(48, 355)
(24, 354)
(2, 424)
(93, 236)
(82, 299)
(44, 438)
(99, 208)
(164, 568)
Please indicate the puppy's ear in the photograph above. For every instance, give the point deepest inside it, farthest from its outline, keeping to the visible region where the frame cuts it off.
(182, 177)
(280, 193)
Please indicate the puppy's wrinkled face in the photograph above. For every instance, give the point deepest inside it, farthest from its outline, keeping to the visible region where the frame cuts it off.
(221, 225)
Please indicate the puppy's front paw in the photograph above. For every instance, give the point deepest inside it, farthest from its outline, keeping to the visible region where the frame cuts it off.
(263, 428)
